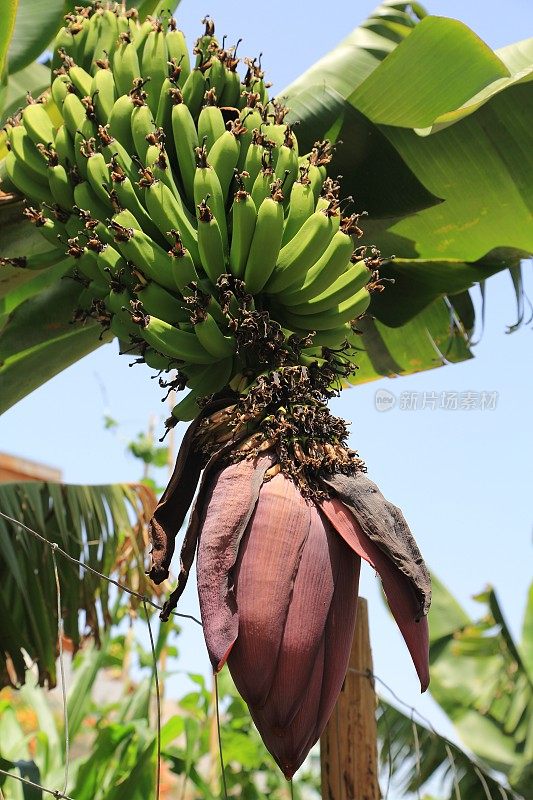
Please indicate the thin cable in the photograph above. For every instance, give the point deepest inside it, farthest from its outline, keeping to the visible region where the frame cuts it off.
(95, 571)
(417, 751)
(483, 782)
(429, 724)
(60, 632)
(35, 785)
(389, 754)
(221, 756)
(158, 701)
(456, 789)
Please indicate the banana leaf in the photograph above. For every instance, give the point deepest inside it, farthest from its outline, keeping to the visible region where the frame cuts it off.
(104, 527)
(414, 757)
(8, 13)
(481, 678)
(459, 122)
(442, 162)
(36, 23)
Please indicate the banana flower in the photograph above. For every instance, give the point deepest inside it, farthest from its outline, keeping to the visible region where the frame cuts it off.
(278, 578)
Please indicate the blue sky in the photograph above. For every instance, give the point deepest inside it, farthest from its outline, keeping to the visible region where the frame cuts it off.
(462, 477)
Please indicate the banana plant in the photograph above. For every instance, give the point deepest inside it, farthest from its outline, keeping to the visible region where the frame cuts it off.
(423, 166)
(483, 680)
(104, 527)
(208, 237)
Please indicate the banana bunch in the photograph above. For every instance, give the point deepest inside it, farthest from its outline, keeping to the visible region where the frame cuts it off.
(170, 177)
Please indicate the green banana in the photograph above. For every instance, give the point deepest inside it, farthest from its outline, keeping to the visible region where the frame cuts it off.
(325, 271)
(87, 200)
(156, 360)
(60, 88)
(193, 91)
(207, 188)
(140, 35)
(142, 125)
(38, 124)
(103, 91)
(216, 74)
(52, 229)
(301, 252)
(154, 64)
(266, 243)
(106, 35)
(211, 123)
(185, 143)
(210, 243)
(156, 300)
(61, 186)
(81, 79)
(25, 150)
(114, 267)
(23, 179)
(302, 205)
(126, 67)
(37, 261)
(113, 149)
(167, 212)
(64, 145)
(256, 158)
(177, 50)
(147, 255)
(224, 155)
(333, 316)
(63, 44)
(262, 185)
(212, 338)
(125, 193)
(119, 122)
(173, 342)
(211, 380)
(232, 85)
(286, 168)
(243, 217)
(99, 177)
(183, 268)
(74, 113)
(346, 286)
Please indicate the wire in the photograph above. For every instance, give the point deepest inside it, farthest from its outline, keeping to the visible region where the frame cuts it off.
(158, 701)
(222, 771)
(60, 632)
(35, 785)
(95, 571)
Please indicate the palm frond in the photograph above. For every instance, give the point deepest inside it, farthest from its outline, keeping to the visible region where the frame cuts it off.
(101, 527)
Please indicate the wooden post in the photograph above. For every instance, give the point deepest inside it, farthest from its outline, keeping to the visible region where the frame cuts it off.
(348, 746)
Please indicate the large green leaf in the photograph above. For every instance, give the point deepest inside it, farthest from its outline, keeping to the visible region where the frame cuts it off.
(8, 13)
(417, 282)
(17, 238)
(437, 335)
(415, 757)
(405, 78)
(36, 24)
(34, 78)
(318, 100)
(101, 526)
(439, 51)
(481, 682)
(39, 340)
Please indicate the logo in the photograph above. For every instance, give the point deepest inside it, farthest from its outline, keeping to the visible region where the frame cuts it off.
(384, 400)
